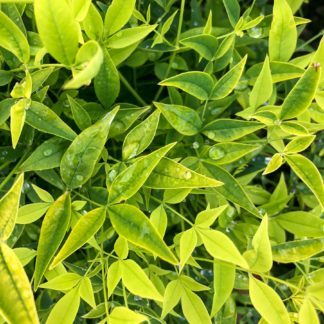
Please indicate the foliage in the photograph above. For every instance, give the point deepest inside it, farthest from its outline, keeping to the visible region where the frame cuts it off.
(160, 162)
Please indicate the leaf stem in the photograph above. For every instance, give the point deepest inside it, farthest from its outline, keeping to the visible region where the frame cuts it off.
(132, 90)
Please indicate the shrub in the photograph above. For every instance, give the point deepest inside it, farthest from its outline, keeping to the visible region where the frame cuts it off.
(160, 162)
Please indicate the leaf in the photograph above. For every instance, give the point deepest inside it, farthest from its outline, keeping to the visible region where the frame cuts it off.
(262, 88)
(301, 95)
(308, 173)
(86, 292)
(227, 130)
(260, 257)
(15, 290)
(188, 242)
(121, 247)
(57, 28)
(233, 11)
(283, 32)
(193, 308)
(207, 217)
(295, 251)
(159, 220)
(184, 120)
(17, 119)
(267, 302)
(45, 120)
(54, 226)
(117, 15)
(204, 45)
(88, 61)
(301, 223)
(43, 194)
(226, 84)
(274, 164)
(224, 278)
(220, 247)
(80, 115)
(80, 158)
(169, 174)
(299, 144)
(66, 309)
(46, 156)
(172, 295)
(25, 255)
(113, 276)
(129, 181)
(106, 82)
(13, 39)
(129, 36)
(307, 313)
(87, 226)
(80, 8)
(32, 212)
(197, 84)
(141, 136)
(65, 281)
(9, 205)
(122, 315)
(137, 282)
(132, 224)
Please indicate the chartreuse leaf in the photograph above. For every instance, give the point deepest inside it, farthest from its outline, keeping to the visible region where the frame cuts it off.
(80, 115)
(262, 88)
(25, 255)
(45, 120)
(92, 23)
(224, 278)
(233, 11)
(32, 212)
(219, 246)
(301, 95)
(121, 247)
(169, 174)
(308, 173)
(172, 295)
(141, 136)
(260, 257)
(86, 292)
(13, 39)
(197, 84)
(225, 153)
(301, 223)
(17, 119)
(129, 181)
(66, 309)
(283, 32)
(274, 164)
(226, 84)
(113, 276)
(207, 217)
(87, 226)
(65, 281)
(106, 82)
(183, 119)
(80, 8)
(136, 281)
(57, 28)
(193, 308)
(79, 160)
(299, 144)
(16, 297)
(9, 205)
(132, 224)
(295, 251)
(46, 156)
(117, 15)
(122, 315)
(159, 220)
(307, 313)
(188, 242)
(88, 61)
(227, 130)
(267, 302)
(54, 226)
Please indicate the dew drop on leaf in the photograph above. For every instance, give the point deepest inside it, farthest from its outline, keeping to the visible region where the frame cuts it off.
(47, 152)
(79, 177)
(187, 175)
(216, 153)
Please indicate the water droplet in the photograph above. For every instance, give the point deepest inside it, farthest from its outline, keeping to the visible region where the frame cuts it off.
(210, 135)
(174, 65)
(4, 153)
(187, 175)
(262, 211)
(195, 145)
(47, 152)
(267, 160)
(79, 177)
(255, 32)
(216, 153)
(195, 23)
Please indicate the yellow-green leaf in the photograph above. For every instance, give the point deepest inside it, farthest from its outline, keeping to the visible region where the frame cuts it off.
(17, 119)
(307, 313)
(123, 315)
(188, 242)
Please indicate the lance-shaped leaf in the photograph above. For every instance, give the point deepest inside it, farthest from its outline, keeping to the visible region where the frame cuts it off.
(183, 119)
(129, 181)
(197, 84)
(17, 119)
(132, 224)
(122, 314)
(267, 302)
(45, 120)
(227, 130)
(16, 297)
(188, 242)
(87, 65)
(299, 144)
(80, 9)
(13, 39)
(80, 115)
(309, 174)
(87, 226)
(9, 205)
(283, 32)
(80, 158)
(301, 95)
(226, 84)
(54, 226)
(274, 164)
(307, 313)
(169, 174)
(57, 28)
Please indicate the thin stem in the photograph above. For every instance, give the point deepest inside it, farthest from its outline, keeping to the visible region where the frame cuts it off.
(124, 295)
(132, 90)
(86, 198)
(103, 277)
